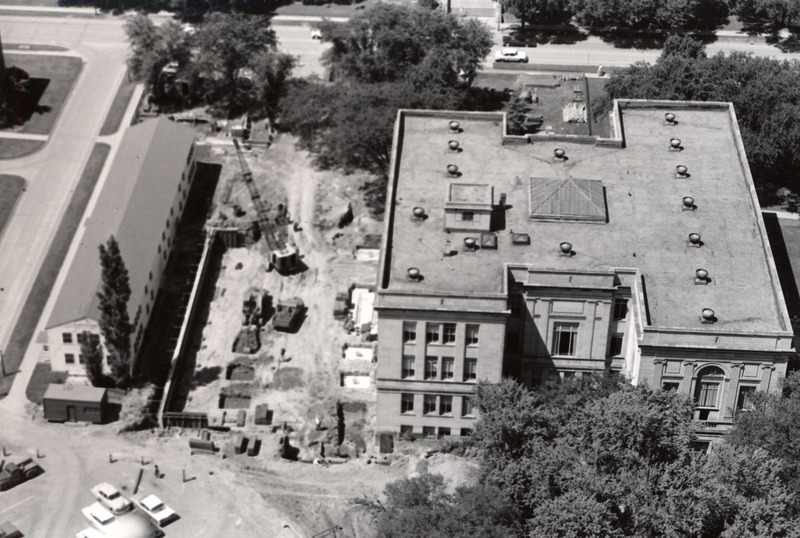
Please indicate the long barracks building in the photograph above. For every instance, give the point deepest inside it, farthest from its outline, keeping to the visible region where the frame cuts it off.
(546, 256)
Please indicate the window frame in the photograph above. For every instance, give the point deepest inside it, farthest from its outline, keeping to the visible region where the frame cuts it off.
(448, 367)
(467, 407)
(743, 406)
(408, 373)
(433, 333)
(449, 338)
(409, 332)
(429, 404)
(471, 374)
(472, 339)
(563, 329)
(431, 368)
(620, 306)
(69, 358)
(445, 405)
(615, 345)
(468, 216)
(406, 398)
(66, 338)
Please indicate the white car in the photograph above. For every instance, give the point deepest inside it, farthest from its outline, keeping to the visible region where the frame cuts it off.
(316, 33)
(130, 525)
(111, 498)
(510, 55)
(90, 532)
(156, 510)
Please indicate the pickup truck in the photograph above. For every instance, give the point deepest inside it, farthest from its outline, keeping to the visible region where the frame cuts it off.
(13, 474)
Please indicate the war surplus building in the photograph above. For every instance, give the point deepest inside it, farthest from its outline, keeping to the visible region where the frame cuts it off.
(546, 256)
(140, 204)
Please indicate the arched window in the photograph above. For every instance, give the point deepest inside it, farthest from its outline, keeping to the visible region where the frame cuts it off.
(709, 381)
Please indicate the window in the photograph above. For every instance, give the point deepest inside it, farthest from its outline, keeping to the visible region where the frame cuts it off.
(406, 430)
(163, 236)
(431, 364)
(171, 211)
(429, 405)
(615, 349)
(428, 431)
(66, 338)
(445, 405)
(408, 366)
(745, 399)
(472, 335)
(444, 432)
(470, 369)
(466, 406)
(468, 215)
(670, 385)
(92, 410)
(69, 358)
(167, 226)
(409, 331)
(94, 339)
(466, 432)
(564, 337)
(707, 390)
(81, 359)
(406, 403)
(159, 249)
(432, 333)
(620, 309)
(447, 367)
(151, 275)
(80, 338)
(449, 333)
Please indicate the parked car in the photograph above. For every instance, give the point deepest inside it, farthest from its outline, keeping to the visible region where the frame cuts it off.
(129, 525)
(90, 532)
(316, 33)
(156, 510)
(110, 497)
(510, 55)
(13, 474)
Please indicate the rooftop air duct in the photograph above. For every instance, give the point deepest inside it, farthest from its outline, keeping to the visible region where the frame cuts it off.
(681, 171)
(414, 274)
(419, 213)
(707, 316)
(688, 204)
(452, 169)
(701, 277)
(669, 118)
(565, 249)
(694, 240)
(453, 145)
(455, 127)
(560, 154)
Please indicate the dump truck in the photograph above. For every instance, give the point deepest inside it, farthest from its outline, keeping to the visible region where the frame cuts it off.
(288, 314)
(13, 474)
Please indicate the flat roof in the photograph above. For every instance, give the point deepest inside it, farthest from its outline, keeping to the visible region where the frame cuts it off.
(78, 393)
(646, 226)
(133, 206)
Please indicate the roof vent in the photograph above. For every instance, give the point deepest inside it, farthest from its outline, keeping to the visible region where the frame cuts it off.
(419, 213)
(669, 119)
(675, 144)
(565, 249)
(688, 204)
(560, 154)
(520, 239)
(453, 145)
(414, 274)
(707, 316)
(489, 241)
(701, 277)
(455, 127)
(681, 171)
(470, 243)
(452, 169)
(694, 240)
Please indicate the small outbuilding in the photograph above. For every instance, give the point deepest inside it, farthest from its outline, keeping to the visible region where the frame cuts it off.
(75, 403)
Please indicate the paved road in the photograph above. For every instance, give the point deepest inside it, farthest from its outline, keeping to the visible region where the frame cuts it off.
(296, 39)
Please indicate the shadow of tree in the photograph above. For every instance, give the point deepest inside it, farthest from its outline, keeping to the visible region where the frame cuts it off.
(205, 376)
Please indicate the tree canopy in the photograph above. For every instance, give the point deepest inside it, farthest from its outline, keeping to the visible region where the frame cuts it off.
(598, 457)
(539, 11)
(672, 16)
(114, 321)
(765, 93)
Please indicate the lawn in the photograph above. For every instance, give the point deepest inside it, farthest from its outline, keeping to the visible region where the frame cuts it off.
(43, 285)
(42, 377)
(595, 89)
(118, 107)
(52, 79)
(12, 148)
(10, 189)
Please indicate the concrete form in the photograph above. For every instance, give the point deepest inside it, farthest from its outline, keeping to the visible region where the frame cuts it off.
(583, 261)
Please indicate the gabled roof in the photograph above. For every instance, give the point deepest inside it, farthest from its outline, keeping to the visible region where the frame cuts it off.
(133, 206)
(567, 199)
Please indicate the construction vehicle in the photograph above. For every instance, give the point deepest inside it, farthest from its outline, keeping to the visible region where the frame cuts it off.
(283, 256)
(288, 314)
(13, 474)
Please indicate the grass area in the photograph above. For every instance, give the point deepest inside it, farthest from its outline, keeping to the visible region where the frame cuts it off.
(42, 377)
(13, 148)
(551, 105)
(118, 107)
(52, 79)
(596, 88)
(327, 10)
(43, 285)
(10, 189)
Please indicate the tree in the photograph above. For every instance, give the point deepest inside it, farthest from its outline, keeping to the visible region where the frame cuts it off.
(673, 16)
(539, 11)
(391, 42)
(227, 46)
(272, 72)
(93, 356)
(114, 321)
